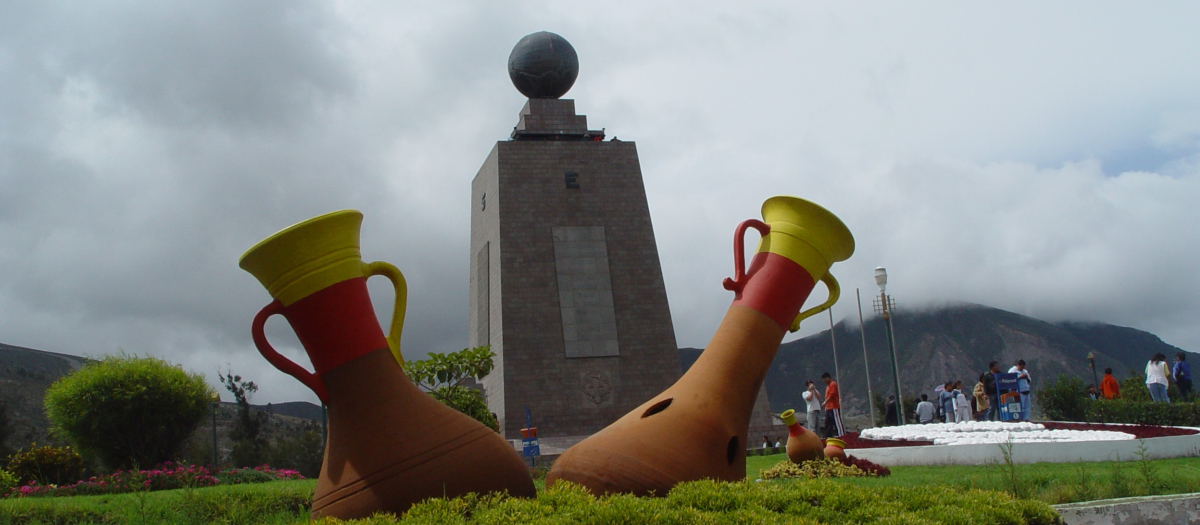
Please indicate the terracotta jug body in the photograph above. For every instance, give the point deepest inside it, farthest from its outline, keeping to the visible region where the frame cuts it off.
(802, 444)
(389, 444)
(835, 448)
(696, 429)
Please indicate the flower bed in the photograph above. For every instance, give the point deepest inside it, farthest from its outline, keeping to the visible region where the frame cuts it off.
(1138, 431)
(167, 476)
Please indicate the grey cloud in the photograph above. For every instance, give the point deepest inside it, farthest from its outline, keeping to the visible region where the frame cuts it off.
(144, 147)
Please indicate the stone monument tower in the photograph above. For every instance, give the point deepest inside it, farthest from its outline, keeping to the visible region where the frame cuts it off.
(566, 285)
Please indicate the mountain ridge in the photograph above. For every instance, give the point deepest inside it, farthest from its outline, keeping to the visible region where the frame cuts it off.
(951, 342)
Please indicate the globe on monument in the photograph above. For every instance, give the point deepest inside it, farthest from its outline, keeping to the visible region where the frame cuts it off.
(543, 65)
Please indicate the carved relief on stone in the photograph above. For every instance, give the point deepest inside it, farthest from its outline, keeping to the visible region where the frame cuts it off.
(597, 388)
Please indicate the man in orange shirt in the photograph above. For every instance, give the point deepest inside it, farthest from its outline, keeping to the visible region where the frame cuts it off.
(833, 408)
(1109, 387)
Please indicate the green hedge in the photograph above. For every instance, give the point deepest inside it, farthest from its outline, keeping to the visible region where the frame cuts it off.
(1064, 399)
(808, 501)
(1143, 413)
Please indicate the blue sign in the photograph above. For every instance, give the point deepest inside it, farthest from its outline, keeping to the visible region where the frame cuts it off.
(1010, 399)
(529, 441)
(530, 448)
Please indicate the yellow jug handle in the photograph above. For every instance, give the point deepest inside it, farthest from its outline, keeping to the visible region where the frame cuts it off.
(835, 291)
(401, 286)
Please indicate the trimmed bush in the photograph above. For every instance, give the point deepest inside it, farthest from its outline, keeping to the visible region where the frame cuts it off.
(46, 465)
(128, 411)
(817, 468)
(800, 501)
(1143, 412)
(1064, 399)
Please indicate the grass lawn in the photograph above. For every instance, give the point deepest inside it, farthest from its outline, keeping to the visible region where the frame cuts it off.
(287, 501)
(1052, 483)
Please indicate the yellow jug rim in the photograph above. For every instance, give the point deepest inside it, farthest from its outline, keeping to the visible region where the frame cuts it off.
(294, 227)
(838, 236)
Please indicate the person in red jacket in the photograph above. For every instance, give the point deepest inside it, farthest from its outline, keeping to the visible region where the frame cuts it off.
(833, 408)
(1109, 387)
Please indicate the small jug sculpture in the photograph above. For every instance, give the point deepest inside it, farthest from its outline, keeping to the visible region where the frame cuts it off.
(802, 444)
(696, 429)
(835, 448)
(389, 445)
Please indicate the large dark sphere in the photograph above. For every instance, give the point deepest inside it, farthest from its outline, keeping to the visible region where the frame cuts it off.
(543, 65)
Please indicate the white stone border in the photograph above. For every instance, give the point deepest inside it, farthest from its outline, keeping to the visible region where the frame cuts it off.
(1175, 508)
(1156, 448)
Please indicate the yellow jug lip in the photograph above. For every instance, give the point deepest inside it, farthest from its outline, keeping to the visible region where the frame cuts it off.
(788, 416)
(296, 226)
(838, 236)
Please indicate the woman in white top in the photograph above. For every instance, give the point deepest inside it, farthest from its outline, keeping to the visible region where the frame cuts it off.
(1156, 377)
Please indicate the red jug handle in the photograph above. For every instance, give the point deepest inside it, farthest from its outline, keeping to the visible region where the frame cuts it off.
(739, 256)
(284, 364)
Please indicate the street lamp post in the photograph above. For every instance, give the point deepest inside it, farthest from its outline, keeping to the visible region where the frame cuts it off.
(884, 305)
(862, 331)
(216, 402)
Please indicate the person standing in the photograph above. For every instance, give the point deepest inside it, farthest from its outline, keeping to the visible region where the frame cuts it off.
(1182, 374)
(946, 402)
(891, 417)
(1022, 386)
(1156, 378)
(1109, 387)
(925, 410)
(980, 394)
(812, 400)
(989, 385)
(833, 408)
(961, 403)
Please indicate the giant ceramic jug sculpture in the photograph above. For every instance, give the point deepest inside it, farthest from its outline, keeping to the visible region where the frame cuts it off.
(696, 429)
(390, 445)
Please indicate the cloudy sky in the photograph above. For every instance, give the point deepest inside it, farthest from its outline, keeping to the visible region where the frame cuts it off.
(1038, 159)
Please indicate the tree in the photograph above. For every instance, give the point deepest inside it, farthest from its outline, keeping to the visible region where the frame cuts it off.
(128, 410)
(303, 452)
(249, 445)
(443, 375)
(1064, 399)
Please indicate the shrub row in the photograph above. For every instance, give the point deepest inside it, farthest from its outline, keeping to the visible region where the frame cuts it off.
(46, 465)
(800, 501)
(1064, 399)
(167, 476)
(1142, 413)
